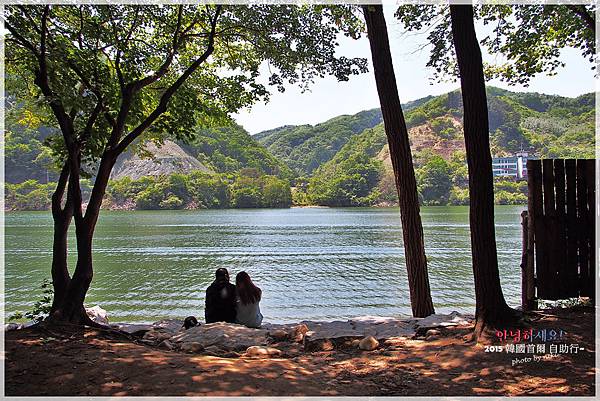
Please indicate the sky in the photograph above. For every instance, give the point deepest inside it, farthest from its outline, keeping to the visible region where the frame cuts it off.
(329, 98)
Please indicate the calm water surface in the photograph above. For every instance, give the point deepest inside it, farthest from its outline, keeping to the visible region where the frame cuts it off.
(311, 263)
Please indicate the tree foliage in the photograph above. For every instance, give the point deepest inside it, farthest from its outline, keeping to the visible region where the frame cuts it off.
(529, 37)
(98, 54)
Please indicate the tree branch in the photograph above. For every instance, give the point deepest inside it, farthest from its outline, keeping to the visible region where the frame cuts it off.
(59, 192)
(585, 16)
(29, 17)
(93, 88)
(64, 121)
(87, 131)
(21, 40)
(162, 70)
(164, 100)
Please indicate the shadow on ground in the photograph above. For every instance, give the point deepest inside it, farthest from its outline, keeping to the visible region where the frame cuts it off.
(40, 362)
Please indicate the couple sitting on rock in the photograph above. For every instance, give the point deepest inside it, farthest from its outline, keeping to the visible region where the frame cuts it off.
(230, 303)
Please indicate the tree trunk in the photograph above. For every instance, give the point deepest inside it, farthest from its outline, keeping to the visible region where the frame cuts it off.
(62, 220)
(397, 135)
(68, 301)
(491, 308)
(71, 308)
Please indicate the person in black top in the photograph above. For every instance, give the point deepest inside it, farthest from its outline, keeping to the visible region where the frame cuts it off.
(220, 299)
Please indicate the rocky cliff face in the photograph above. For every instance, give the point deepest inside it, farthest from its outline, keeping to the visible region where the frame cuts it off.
(166, 159)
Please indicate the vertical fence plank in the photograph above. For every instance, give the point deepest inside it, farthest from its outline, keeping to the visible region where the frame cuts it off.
(590, 178)
(549, 271)
(560, 250)
(524, 238)
(582, 218)
(530, 274)
(536, 222)
(572, 279)
(527, 275)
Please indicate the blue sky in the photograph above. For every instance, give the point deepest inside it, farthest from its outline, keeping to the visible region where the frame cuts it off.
(329, 98)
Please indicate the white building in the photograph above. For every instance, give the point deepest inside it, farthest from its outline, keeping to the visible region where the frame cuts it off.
(512, 166)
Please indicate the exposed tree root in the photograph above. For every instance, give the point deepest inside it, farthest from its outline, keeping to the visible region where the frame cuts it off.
(486, 325)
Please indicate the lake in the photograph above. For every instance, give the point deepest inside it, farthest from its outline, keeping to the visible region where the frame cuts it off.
(311, 263)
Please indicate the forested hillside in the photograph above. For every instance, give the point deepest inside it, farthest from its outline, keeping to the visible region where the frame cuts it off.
(545, 126)
(340, 162)
(222, 167)
(305, 147)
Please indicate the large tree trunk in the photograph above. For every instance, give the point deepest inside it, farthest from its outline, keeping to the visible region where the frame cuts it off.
(491, 308)
(62, 217)
(397, 135)
(71, 307)
(69, 296)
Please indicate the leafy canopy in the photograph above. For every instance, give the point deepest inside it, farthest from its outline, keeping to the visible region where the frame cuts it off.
(530, 37)
(108, 72)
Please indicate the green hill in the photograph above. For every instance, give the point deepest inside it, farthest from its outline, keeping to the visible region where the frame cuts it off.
(221, 167)
(546, 126)
(230, 149)
(340, 162)
(305, 147)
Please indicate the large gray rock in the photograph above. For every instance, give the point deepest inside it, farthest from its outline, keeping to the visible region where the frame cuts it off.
(228, 339)
(135, 329)
(226, 336)
(324, 335)
(158, 332)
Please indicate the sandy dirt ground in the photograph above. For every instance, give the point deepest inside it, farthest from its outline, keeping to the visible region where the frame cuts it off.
(92, 362)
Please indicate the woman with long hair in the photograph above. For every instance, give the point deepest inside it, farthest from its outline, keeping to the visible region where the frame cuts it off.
(248, 298)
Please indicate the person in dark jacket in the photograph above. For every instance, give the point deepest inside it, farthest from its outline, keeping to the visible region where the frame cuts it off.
(220, 299)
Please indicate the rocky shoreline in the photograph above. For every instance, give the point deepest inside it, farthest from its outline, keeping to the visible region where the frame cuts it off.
(366, 333)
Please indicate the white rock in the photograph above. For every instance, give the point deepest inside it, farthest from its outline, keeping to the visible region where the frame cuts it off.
(262, 351)
(440, 320)
(298, 332)
(227, 336)
(97, 314)
(368, 343)
(432, 332)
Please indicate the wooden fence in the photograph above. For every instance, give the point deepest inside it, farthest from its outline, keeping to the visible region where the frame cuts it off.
(559, 242)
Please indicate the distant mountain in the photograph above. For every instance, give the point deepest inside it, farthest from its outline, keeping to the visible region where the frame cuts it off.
(306, 147)
(344, 161)
(215, 150)
(547, 126)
